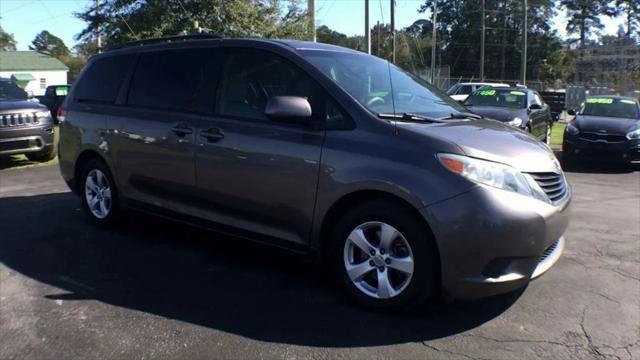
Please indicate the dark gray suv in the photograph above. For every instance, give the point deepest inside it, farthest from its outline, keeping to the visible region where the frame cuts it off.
(322, 150)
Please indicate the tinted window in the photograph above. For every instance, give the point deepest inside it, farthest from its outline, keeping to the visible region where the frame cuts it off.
(465, 90)
(101, 82)
(182, 80)
(252, 77)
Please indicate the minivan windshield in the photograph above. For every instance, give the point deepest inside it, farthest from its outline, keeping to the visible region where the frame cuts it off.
(610, 107)
(11, 91)
(506, 98)
(381, 87)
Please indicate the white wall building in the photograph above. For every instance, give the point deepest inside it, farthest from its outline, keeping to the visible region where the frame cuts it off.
(33, 71)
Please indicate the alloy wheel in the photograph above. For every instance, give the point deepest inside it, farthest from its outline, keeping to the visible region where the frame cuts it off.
(378, 260)
(97, 192)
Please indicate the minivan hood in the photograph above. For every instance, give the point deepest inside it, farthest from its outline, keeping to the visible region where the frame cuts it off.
(498, 113)
(494, 141)
(605, 124)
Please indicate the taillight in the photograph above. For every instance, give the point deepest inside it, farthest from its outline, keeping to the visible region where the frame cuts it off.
(62, 114)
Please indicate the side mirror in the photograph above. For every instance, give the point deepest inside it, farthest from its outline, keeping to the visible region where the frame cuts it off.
(535, 107)
(288, 109)
(571, 112)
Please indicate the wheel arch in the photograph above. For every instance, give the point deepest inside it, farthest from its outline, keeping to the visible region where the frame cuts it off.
(83, 158)
(350, 200)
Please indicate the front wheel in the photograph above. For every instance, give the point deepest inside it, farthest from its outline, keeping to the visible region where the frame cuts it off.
(384, 255)
(99, 194)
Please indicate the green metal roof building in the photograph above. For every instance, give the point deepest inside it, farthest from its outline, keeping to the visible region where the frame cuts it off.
(32, 70)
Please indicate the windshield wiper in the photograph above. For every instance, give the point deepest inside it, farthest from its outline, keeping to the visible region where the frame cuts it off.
(409, 117)
(462, 115)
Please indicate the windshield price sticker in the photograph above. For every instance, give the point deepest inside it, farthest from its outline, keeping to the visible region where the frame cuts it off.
(599, 101)
(518, 93)
(486, 92)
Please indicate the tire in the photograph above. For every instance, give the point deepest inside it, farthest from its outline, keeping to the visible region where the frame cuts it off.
(406, 289)
(44, 155)
(99, 194)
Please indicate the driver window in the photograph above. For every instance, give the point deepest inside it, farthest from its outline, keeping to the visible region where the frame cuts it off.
(251, 77)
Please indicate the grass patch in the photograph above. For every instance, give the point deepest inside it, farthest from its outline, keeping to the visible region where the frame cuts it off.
(556, 134)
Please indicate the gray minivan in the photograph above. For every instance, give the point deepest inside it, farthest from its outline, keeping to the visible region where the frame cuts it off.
(322, 150)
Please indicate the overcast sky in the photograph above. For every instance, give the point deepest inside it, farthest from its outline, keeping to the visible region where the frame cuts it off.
(26, 18)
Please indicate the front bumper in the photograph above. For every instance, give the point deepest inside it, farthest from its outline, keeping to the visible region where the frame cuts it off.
(493, 241)
(576, 147)
(28, 139)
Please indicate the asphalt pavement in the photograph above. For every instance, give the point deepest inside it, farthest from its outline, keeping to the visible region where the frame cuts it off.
(158, 289)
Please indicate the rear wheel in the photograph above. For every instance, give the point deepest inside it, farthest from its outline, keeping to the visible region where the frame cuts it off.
(384, 255)
(99, 194)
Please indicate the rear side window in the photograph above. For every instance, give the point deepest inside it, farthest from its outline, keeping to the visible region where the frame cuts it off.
(179, 80)
(101, 82)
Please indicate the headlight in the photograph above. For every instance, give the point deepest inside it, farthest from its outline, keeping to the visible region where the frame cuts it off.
(633, 135)
(43, 114)
(493, 174)
(571, 129)
(515, 122)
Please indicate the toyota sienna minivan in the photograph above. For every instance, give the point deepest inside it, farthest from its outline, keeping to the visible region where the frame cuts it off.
(319, 149)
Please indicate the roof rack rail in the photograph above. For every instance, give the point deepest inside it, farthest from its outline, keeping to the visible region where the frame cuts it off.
(166, 39)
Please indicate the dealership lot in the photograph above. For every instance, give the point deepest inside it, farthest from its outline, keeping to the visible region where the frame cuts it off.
(161, 289)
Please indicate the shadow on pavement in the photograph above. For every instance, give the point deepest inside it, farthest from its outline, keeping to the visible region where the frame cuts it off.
(14, 161)
(179, 272)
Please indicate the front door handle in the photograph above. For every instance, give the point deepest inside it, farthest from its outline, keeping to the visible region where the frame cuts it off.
(182, 130)
(212, 135)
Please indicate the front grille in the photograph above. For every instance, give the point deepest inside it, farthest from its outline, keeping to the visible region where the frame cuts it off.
(549, 250)
(552, 184)
(603, 137)
(18, 119)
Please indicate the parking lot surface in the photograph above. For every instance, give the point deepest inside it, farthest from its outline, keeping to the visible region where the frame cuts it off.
(159, 289)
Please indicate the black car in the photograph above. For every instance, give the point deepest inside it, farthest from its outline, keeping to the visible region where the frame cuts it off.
(518, 107)
(26, 127)
(605, 128)
(54, 97)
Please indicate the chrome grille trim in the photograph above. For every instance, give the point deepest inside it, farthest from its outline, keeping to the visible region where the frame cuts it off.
(18, 119)
(554, 185)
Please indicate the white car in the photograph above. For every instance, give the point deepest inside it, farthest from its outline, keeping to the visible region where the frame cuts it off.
(460, 91)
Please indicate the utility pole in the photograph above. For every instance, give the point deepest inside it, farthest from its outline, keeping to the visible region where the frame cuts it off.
(367, 31)
(98, 38)
(311, 9)
(434, 40)
(378, 36)
(523, 71)
(393, 31)
(482, 44)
